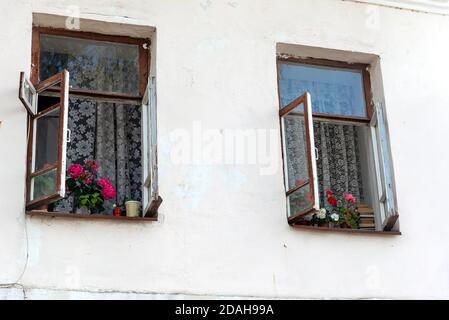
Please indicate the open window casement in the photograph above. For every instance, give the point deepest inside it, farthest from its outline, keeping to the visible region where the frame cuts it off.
(384, 168)
(151, 198)
(301, 178)
(47, 138)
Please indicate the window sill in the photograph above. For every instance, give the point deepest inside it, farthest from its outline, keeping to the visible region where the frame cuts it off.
(348, 231)
(88, 217)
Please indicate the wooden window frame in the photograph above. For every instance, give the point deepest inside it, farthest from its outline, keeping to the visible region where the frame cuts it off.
(151, 198)
(332, 118)
(144, 60)
(149, 213)
(305, 100)
(61, 78)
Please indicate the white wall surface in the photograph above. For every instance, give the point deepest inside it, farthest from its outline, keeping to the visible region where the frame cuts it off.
(223, 230)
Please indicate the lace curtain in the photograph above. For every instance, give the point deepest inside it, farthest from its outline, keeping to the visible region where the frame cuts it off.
(111, 134)
(107, 132)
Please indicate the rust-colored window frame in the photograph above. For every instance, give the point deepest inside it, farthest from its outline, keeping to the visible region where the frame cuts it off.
(144, 60)
(369, 104)
(150, 213)
(304, 100)
(62, 79)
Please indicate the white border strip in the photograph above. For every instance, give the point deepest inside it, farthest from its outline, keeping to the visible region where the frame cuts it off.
(429, 6)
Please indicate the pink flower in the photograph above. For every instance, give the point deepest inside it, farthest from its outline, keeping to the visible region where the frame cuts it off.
(75, 171)
(108, 192)
(104, 183)
(349, 197)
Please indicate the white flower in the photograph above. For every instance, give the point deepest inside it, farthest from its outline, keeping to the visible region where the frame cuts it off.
(335, 217)
(321, 214)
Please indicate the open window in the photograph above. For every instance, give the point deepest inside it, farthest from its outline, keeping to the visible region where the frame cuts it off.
(106, 115)
(151, 188)
(335, 141)
(301, 180)
(388, 212)
(47, 139)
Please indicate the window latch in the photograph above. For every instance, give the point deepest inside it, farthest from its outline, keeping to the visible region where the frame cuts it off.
(69, 135)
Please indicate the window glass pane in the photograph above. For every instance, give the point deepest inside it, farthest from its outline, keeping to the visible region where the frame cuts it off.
(43, 185)
(93, 65)
(296, 151)
(28, 93)
(300, 201)
(47, 128)
(334, 91)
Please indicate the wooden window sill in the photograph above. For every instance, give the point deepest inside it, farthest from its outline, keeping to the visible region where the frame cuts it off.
(88, 217)
(348, 231)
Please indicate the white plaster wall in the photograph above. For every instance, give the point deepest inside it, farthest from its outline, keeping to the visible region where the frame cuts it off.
(223, 230)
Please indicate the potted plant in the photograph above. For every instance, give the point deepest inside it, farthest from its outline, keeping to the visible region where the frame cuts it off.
(89, 192)
(344, 212)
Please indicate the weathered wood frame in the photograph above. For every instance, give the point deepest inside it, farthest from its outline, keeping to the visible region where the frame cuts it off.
(144, 63)
(63, 80)
(369, 105)
(304, 100)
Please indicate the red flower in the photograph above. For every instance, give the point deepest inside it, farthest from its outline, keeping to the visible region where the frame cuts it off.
(75, 171)
(332, 201)
(329, 193)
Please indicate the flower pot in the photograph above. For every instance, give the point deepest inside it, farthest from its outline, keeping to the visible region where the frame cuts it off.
(132, 209)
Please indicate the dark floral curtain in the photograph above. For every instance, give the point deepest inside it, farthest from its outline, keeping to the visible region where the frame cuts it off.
(338, 164)
(338, 161)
